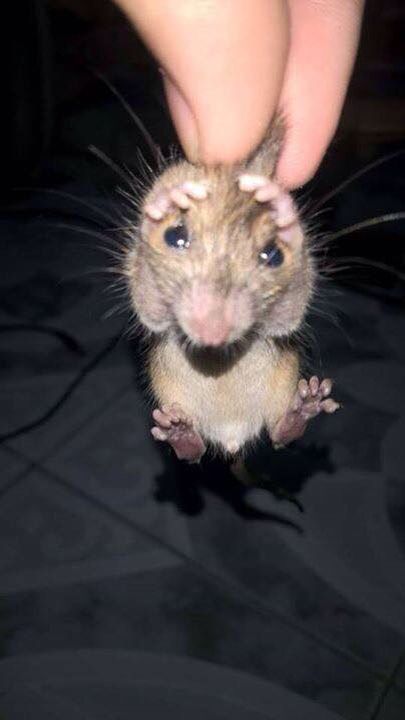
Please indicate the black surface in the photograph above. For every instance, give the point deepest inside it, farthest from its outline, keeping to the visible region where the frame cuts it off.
(128, 582)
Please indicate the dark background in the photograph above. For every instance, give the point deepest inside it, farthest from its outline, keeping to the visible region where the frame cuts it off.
(56, 108)
(130, 584)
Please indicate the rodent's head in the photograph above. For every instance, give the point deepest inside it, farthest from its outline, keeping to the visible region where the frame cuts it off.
(221, 268)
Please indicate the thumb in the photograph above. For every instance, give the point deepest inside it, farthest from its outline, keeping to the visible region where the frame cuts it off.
(223, 64)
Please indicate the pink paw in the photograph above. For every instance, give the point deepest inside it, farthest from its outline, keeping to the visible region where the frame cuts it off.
(281, 205)
(170, 421)
(313, 397)
(176, 428)
(179, 197)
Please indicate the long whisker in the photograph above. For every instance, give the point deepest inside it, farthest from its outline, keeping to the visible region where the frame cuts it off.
(70, 196)
(84, 230)
(389, 217)
(359, 173)
(111, 164)
(64, 211)
(139, 124)
(366, 263)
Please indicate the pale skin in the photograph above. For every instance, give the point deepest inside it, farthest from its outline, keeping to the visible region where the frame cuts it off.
(229, 65)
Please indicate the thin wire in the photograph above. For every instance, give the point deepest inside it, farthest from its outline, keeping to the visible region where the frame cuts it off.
(28, 427)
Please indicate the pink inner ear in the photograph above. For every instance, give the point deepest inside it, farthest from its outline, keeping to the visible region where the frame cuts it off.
(283, 210)
(285, 215)
(292, 235)
(281, 205)
(286, 219)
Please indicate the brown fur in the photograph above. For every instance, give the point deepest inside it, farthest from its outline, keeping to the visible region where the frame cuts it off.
(230, 393)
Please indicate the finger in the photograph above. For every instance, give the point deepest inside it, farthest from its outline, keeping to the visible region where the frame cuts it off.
(324, 39)
(223, 63)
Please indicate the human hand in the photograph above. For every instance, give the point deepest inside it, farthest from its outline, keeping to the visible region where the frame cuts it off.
(228, 65)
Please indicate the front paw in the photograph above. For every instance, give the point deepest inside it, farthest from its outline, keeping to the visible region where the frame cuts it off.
(282, 208)
(178, 197)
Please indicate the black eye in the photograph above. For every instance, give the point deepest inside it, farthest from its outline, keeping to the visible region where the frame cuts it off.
(271, 255)
(176, 236)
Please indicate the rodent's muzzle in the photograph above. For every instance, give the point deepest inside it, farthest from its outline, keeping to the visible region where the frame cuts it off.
(210, 318)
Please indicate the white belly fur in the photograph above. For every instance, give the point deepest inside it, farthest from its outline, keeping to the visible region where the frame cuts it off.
(231, 413)
(229, 410)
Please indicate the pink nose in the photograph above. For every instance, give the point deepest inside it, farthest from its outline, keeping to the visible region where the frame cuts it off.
(209, 317)
(208, 332)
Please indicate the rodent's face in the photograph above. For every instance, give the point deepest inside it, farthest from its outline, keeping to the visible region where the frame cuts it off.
(220, 269)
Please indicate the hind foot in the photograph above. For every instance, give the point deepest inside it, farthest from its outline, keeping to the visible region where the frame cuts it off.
(178, 197)
(176, 428)
(281, 205)
(311, 398)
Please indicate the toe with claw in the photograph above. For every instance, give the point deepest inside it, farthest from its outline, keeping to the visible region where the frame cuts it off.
(281, 205)
(176, 428)
(311, 398)
(178, 197)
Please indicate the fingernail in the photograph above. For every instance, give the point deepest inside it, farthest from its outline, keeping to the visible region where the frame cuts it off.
(183, 118)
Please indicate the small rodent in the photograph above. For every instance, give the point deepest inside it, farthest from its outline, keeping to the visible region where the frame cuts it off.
(221, 274)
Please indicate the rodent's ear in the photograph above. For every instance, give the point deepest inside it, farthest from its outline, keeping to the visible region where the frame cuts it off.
(264, 159)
